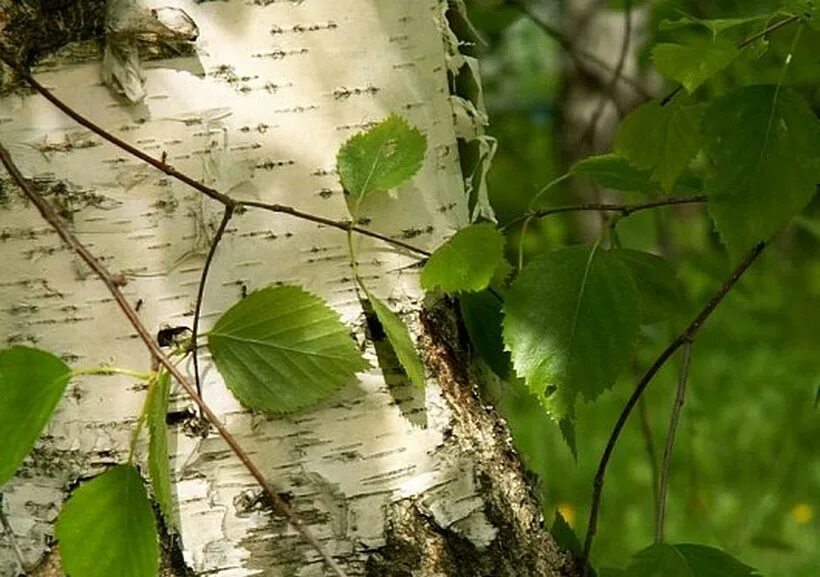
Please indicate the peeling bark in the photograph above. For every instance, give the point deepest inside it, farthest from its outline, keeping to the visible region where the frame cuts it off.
(393, 480)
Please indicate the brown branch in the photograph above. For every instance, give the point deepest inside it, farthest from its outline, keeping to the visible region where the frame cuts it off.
(623, 209)
(742, 44)
(200, 292)
(677, 407)
(687, 336)
(208, 191)
(112, 285)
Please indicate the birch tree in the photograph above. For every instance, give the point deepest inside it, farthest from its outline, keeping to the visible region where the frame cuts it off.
(389, 478)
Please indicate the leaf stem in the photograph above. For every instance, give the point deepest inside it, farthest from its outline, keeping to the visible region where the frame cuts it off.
(53, 219)
(683, 338)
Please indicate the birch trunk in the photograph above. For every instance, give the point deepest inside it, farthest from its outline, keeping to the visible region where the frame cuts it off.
(394, 481)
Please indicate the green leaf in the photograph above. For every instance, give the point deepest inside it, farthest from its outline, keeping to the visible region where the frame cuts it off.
(571, 319)
(158, 460)
(381, 158)
(482, 317)
(693, 64)
(399, 338)
(32, 382)
(662, 560)
(565, 536)
(466, 262)
(763, 145)
(107, 527)
(614, 171)
(715, 26)
(656, 281)
(660, 139)
(281, 349)
(611, 572)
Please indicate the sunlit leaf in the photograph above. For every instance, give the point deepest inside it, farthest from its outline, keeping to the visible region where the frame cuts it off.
(282, 349)
(31, 384)
(660, 139)
(399, 338)
(570, 322)
(381, 158)
(693, 64)
(107, 527)
(158, 460)
(662, 560)
(763, 145)
(466, 262)
(656, 281)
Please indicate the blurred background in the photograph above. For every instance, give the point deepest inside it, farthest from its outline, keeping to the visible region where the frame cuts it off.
(745, 474)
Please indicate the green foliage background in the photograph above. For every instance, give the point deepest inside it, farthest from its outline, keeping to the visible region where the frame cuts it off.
(746, 474)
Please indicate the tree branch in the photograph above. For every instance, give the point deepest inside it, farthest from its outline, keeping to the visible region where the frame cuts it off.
(200, 292)
(677, 407)
(208, 191)
(51, 217)
(685, 337)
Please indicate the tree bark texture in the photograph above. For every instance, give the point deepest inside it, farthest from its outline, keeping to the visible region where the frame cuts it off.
(393, 480)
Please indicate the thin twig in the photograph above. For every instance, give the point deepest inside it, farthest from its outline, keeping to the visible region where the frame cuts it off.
(200, 293)
(623, 209)
(208, 191)
(609, 91)
(577, 53)
(685, 337)
(112, 285)
(677, 407)
(742, 44)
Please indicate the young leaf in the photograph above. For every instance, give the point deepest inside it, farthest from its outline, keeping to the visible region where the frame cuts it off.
(570, 321)
(380, 158)
(107, 527)
(281, 349)
(466, 262)
(31, 384)
(763, 143)
(482, 316)
(660, 139)
(662, 560)
(399, 338)
(693, 64)
(158, 446)
(656, 281)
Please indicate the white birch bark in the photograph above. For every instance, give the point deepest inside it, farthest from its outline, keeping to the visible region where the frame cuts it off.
(274, 89)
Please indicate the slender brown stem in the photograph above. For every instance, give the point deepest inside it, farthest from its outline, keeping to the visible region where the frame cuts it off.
(677, 407)
(200, 293)
(208, 191)
(112, 285)
(742, 44)
(623, 209)
(683, 338)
